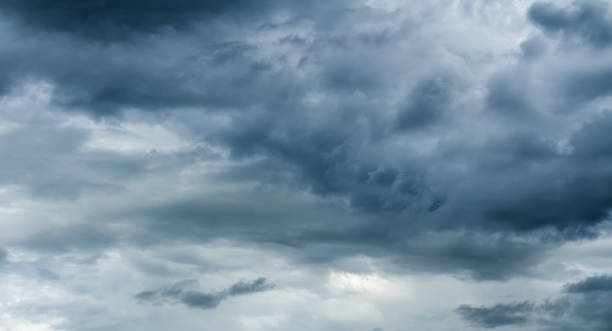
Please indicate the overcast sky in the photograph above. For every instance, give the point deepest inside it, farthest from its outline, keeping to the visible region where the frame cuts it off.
(299, 165)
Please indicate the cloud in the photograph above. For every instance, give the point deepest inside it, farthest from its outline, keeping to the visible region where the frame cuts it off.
(498, 315)
(428, 102)
(596, 283)
(586, 20)
(112, 20)
(425, 138)
(461, 142)
(395, 146)
(179, 292)
(242, 288)
(585, 306)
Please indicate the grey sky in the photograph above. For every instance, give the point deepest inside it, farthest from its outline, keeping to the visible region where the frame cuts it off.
(305, 165)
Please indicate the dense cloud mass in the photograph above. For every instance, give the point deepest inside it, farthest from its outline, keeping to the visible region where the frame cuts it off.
(589, 20)
(365, 155)
(110, 20)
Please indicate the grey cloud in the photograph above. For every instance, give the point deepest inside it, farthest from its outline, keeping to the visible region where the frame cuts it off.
(498, 315)
(514, 192)
(595, 283)
(427, 103)
(200, 300)
(590, 144)
(62, 239)
(587, 85)
(47, 159)
(242, 288)
(533, 47)
(112, 20)
(350, 76)
(181, 293)
(324, 158)
(508, 94)
(494, 258)
(588, 20)
(318, 115)
(93, 81)
(585, 306)
(533, 89)
(428, 139)
(211, 67)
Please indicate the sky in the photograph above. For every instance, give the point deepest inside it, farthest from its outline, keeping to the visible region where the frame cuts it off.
(362, 165)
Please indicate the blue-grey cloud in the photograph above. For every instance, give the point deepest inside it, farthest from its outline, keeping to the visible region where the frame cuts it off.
(179, 292)
(487, 164)
(591, 284)
(427, 104)
(585, 306)
(112, 20)
(498, 315)
(587, 20)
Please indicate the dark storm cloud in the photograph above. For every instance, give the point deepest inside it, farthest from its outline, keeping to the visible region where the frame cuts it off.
(526, 183)
(317, 113)
(479, 256)
(508, 94)
(213, 66)
(323, 156)
(586, 85)
(181, 293)
(591, 143)
(587, 20)
(498, 315)
(115, 19)
(427, 103)
(586, 306)
(104, 80)
(596, 283)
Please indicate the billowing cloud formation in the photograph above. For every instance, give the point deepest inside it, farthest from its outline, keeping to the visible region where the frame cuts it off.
(396, 146)
(195, 299)
(446, 138)
(587, 20)
(338, 146)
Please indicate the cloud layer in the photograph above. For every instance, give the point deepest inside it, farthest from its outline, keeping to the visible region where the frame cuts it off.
(585, 306)
(459, 142)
